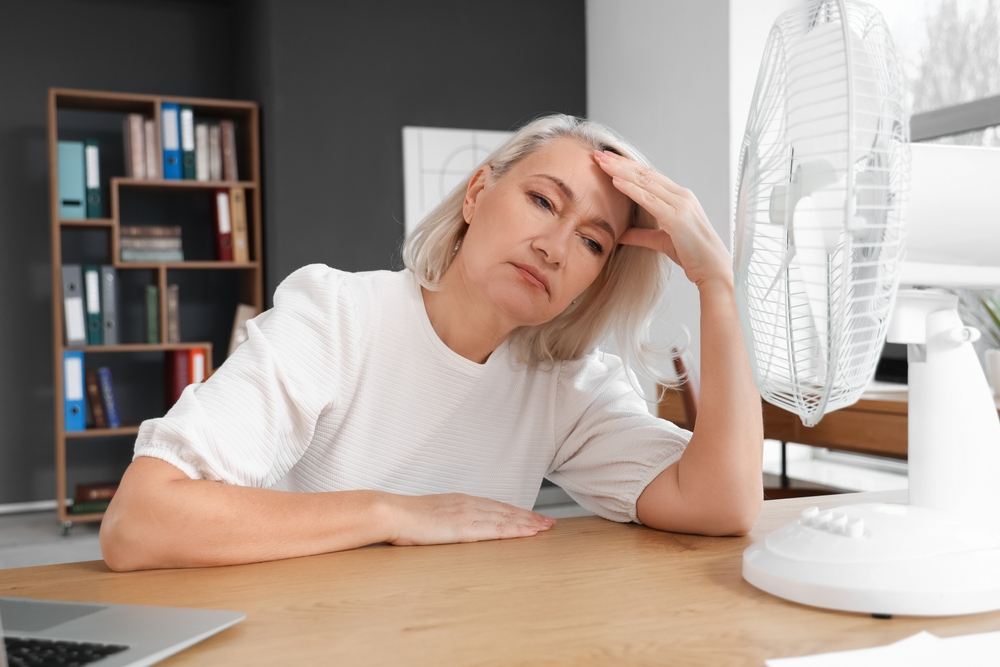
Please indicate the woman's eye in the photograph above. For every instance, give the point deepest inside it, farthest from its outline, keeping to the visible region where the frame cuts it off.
(593, 245)
(542, 201)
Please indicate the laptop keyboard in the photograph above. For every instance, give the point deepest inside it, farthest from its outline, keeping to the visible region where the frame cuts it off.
(52, 653)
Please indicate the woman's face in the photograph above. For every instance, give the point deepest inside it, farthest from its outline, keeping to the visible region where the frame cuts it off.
(540, 235)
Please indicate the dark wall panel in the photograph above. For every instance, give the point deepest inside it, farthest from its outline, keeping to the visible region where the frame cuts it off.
(336, 82)
(181, 48)
(339, 80)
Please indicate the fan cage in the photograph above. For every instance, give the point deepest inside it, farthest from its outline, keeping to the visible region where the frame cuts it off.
(819, 215)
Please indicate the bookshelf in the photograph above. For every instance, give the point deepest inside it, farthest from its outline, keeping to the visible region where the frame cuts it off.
(218, 286)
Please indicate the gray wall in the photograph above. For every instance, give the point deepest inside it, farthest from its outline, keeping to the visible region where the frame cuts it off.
(335, 80)
(338, 80)
(658, 72)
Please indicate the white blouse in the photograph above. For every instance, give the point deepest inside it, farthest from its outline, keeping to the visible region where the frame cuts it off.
(344, 385)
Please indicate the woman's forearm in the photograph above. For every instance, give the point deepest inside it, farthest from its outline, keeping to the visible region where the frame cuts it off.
(722, 465)
(159, 518)
(715, 487)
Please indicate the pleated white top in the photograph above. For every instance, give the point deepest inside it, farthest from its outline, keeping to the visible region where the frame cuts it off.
(344, 385)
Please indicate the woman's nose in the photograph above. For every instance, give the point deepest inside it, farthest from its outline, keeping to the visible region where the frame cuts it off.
(553, 241)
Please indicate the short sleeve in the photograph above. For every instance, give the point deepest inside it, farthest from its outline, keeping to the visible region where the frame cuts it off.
(609, 447)
(253, 419)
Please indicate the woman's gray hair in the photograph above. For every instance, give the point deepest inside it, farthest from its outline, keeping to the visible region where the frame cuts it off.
(621, 301)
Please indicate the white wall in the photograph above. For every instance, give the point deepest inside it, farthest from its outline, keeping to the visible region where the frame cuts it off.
(658, 73)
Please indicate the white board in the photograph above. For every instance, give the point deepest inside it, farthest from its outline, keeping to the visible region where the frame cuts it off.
(436, 160)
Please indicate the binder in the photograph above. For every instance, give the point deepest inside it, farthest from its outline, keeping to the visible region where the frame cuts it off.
(169, 118)
(239, 334)
(238, 216)
(135, 146)
(152, 314)
(223, 227)
(187, 142)
(175, 375)
(228, 131)
(109, 304)
(92, 162)
(95, 400)
(108, 397)
(173, 314)
(74, 318)
(201, 172)
(152, 152)
(196, 363)
(214, 153)
(72, 187)
(92, 295)
(73, 391)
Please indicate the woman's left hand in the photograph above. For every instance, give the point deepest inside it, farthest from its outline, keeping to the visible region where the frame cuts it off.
(685, 233)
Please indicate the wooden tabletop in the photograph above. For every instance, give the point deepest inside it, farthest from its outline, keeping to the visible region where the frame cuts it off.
(589, 592)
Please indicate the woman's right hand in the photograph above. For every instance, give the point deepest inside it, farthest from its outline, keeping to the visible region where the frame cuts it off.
(456, 517)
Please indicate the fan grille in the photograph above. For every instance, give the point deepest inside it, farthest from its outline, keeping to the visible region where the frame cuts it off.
(819, 227)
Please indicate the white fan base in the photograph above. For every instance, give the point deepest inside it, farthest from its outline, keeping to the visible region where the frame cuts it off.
(907, 560)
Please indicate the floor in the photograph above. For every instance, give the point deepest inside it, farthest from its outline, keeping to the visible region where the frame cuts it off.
(34, 538)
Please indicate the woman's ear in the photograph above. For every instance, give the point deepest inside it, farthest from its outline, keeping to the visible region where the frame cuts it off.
(476, 185)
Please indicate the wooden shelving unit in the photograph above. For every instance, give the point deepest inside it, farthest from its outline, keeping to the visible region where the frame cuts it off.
(250, 274)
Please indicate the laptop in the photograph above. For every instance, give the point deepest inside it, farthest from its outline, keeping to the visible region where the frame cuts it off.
(107, 635)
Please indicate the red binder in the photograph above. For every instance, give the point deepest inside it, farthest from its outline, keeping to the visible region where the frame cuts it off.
(223, 227)
(176, 375)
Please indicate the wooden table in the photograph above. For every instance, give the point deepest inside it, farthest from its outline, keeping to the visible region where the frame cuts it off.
(589, 592)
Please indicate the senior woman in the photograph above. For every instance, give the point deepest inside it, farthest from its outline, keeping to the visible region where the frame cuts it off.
(425, 406)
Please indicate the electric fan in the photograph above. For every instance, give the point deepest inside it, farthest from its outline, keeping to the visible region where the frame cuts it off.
(818, 251)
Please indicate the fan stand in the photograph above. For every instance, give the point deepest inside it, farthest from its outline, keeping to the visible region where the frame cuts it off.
(940, 554)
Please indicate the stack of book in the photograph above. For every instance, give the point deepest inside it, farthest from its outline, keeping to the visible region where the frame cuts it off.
(151, 243)
(80, 180)
(187, 150)
(90, 296)
(92, 498)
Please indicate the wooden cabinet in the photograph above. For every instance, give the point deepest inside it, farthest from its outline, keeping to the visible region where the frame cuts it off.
(74, 114)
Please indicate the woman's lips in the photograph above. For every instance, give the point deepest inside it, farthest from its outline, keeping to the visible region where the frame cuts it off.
(533, 276)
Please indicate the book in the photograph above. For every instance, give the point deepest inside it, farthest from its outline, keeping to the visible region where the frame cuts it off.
(228, 141)
(95, 401)
(152, 149)
(176, 371)
(238, 217)
(201, 151)
(94, 507)
(74, 317)
(238, 336)
(152, 314)
(151, 243)
(72, 187)
(214, 153)
(187, 142)
(109, 304)
(173, 313)
(108, 397)
(92, 164)
(151, 230)
(73, 391)
(197, 365)
(171, 138)
(92, 292)
(152, 255)
(223, 227)
(133, 132)
(86, 493)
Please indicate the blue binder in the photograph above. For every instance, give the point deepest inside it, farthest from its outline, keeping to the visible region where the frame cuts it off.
(74, 391)
(171, 140)
(72, 187)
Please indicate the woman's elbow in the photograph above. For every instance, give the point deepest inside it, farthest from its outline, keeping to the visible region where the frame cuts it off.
(743, 517)
(115, 549)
